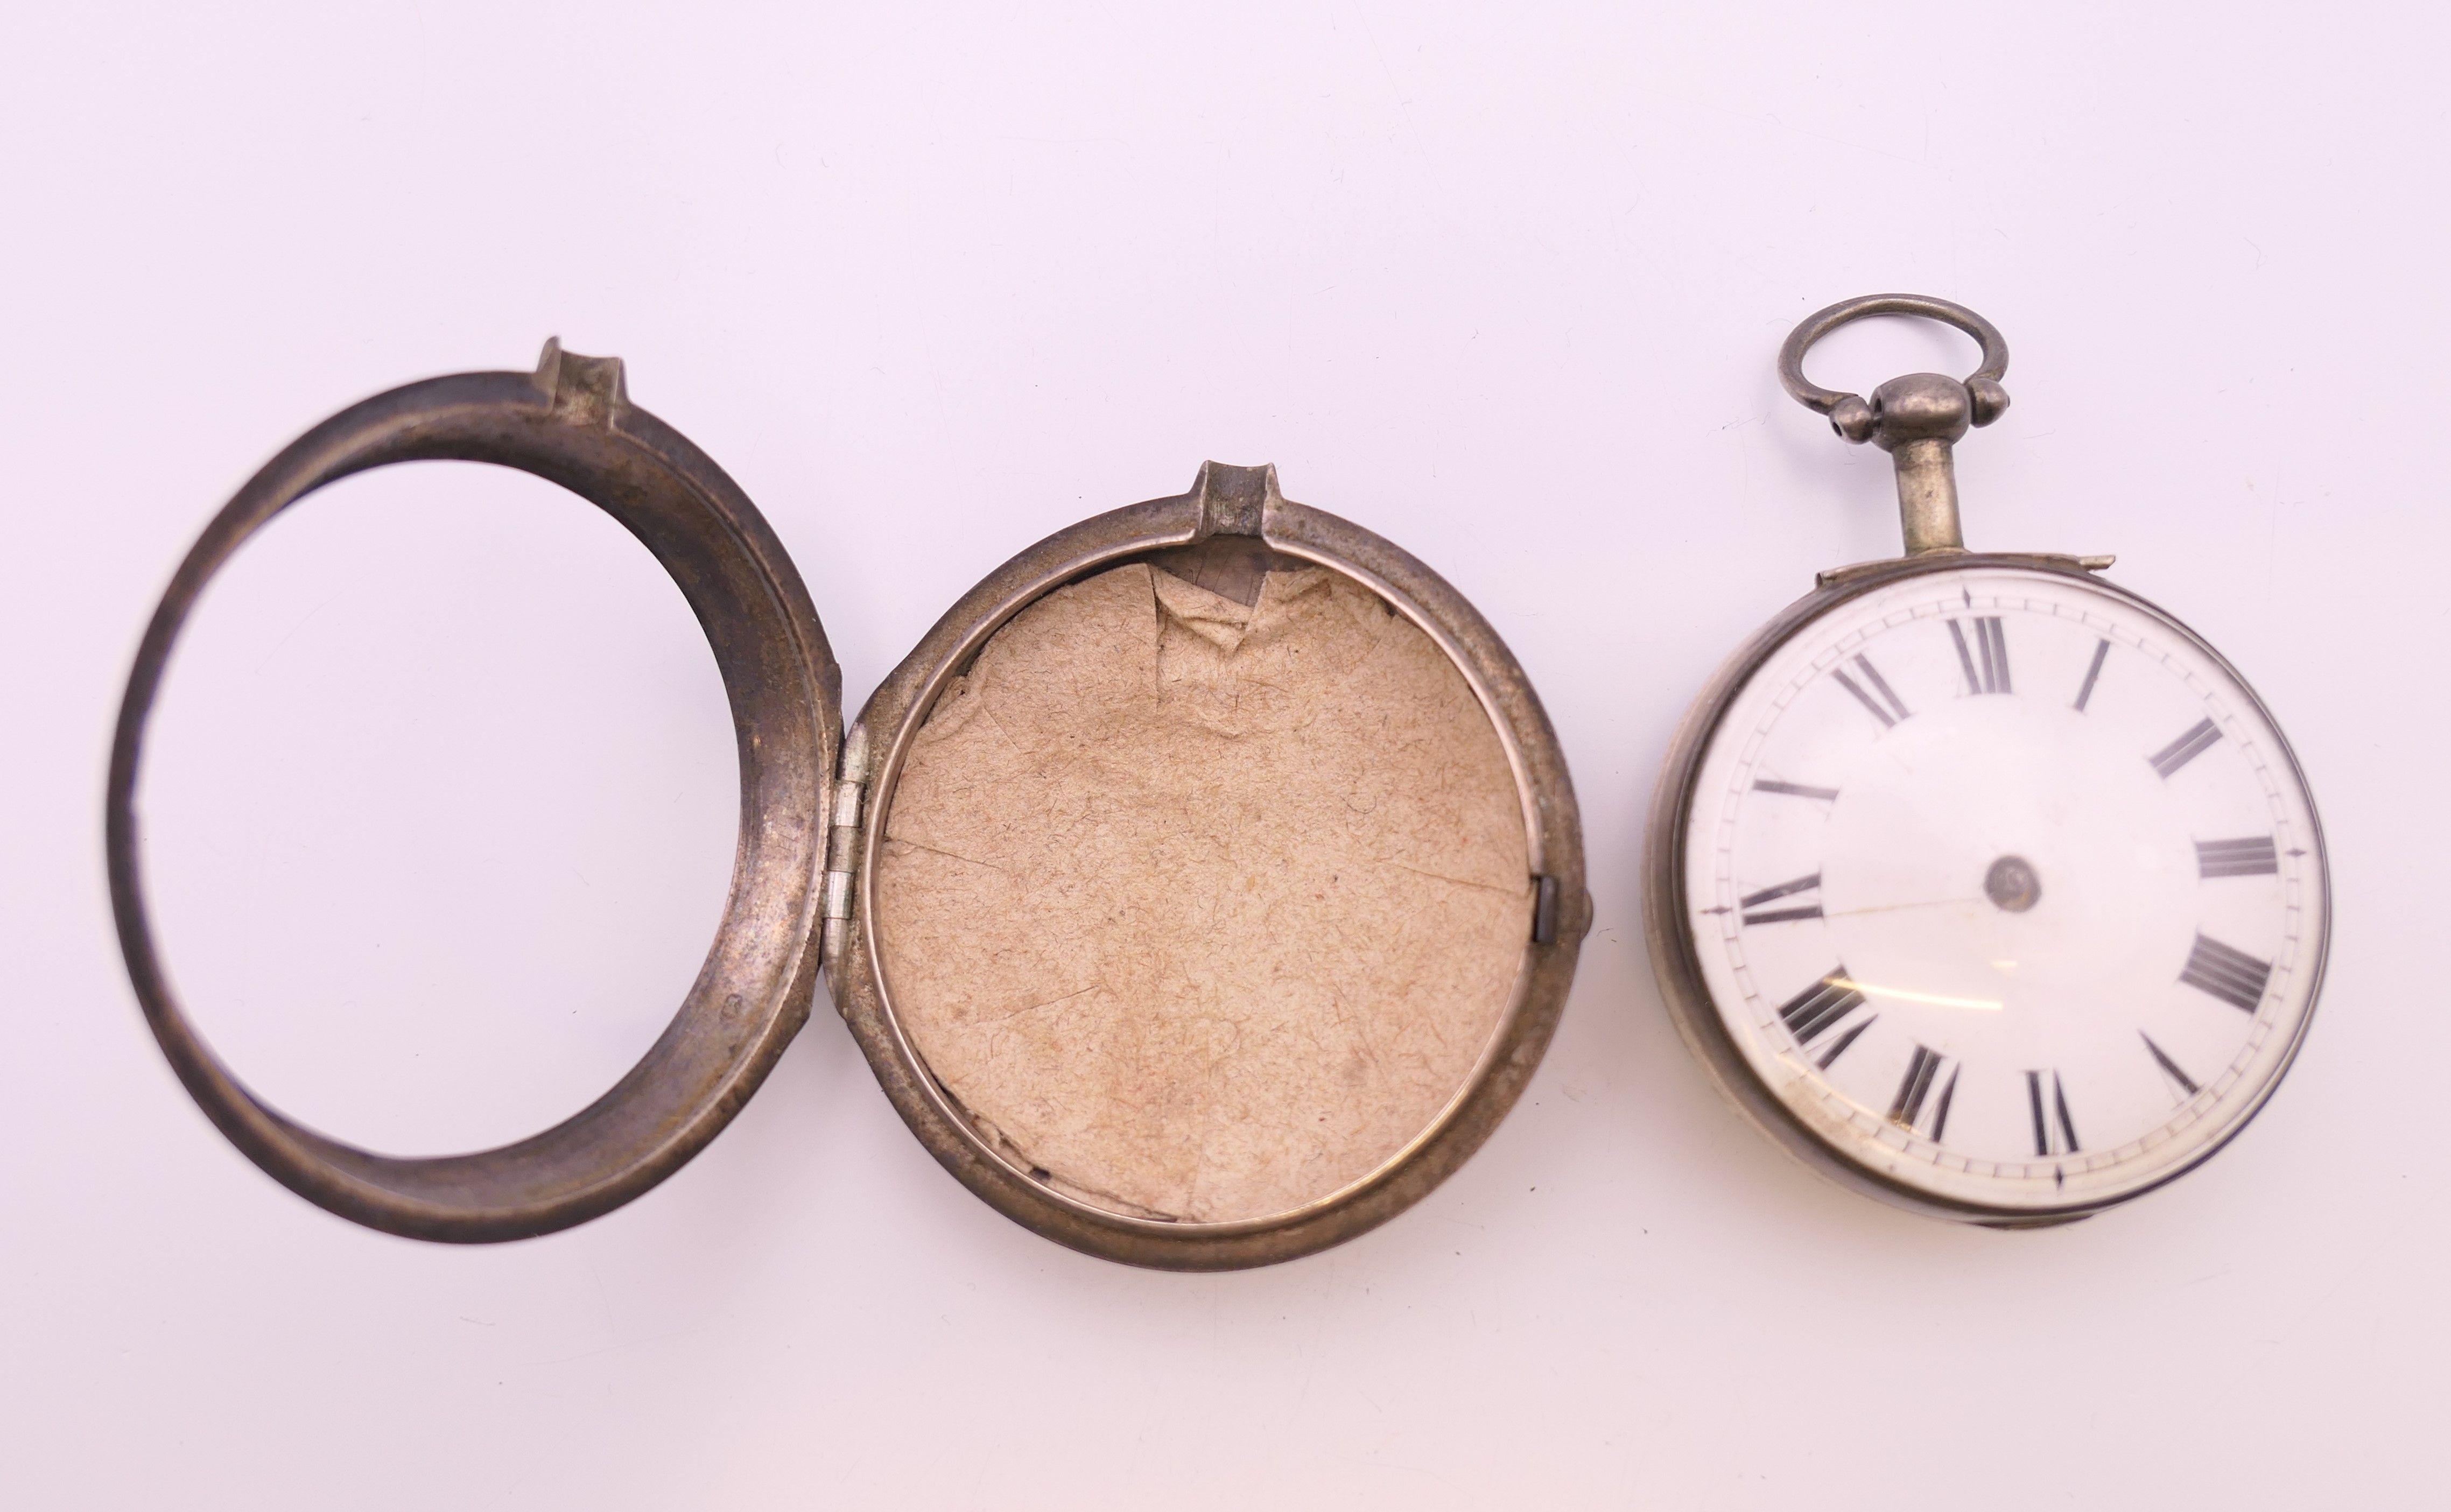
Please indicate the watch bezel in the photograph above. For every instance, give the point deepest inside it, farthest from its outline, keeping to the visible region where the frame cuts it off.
(1676, 955)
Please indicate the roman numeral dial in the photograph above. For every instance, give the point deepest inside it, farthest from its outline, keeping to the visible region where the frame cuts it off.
(2201, 738)
(2170, 1068)
(1887, 708)
(2066, 858)
(2254, 856)
(1814, 1014)
(1986, 660)
(2047, 1101)
(1784, 903)
(2227, 973)
(1926, 1070)
(2092, 674)
(1796, 790)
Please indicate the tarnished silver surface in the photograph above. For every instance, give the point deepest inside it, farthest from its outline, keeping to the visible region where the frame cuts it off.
(812, 804)
(570, 421)
(1927, 417)
(1917, 418)
(1225, 503)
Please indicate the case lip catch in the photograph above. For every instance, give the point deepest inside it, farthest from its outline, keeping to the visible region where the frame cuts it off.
(1546, 896)
(1236, 501)
(2057, 562)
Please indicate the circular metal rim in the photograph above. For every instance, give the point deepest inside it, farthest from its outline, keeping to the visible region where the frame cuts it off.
(1675, 962)
(570, 423)
(1554, 831)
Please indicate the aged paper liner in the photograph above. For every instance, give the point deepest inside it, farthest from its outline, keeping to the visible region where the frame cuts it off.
(1203, 911)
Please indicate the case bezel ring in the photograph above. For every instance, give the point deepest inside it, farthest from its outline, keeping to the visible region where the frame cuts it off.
(569, 423)
(1676, 955)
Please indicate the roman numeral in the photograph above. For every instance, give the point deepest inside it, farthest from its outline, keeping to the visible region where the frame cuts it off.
(2186, 749)
(1905, 1108)
(1796, 790)
(2232, 975)
(1754, 913)
(2092, 673)
(1887, 716)
(2169, 1067)
(2251, 857)
(1987, 662)
(1819, 1009)
(2054, 1131)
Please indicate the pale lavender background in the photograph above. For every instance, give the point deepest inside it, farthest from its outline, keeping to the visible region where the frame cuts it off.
(442, 793)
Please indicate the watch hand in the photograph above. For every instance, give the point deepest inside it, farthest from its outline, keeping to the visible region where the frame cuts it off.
(1892, 907)
(1987, 1005)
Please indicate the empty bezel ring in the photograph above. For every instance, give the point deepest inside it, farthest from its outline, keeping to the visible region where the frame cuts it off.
(570, 423)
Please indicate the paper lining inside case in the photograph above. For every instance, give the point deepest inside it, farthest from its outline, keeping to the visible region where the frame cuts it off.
(1205, 901)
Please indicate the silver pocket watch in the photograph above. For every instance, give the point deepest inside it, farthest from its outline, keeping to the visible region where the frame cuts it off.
(1982, 885)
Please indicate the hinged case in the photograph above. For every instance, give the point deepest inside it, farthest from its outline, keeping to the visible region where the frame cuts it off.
(1237, 520)
(815, 804)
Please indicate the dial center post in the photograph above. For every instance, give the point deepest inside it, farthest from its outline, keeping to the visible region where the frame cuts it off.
(2011, 884)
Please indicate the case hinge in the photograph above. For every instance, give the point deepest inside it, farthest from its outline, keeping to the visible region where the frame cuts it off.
(842, 869)
(844, 852)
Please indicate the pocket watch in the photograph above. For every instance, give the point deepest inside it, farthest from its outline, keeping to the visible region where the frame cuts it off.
(1983, 885)
(817, 825)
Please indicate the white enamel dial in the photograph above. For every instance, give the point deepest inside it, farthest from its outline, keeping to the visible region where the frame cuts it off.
(2005, 887)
